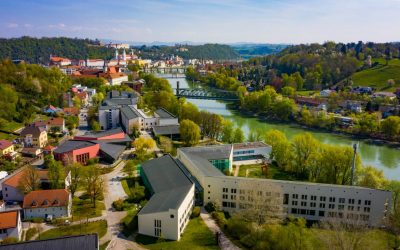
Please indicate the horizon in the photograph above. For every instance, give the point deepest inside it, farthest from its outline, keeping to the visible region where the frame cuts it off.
(174, 21)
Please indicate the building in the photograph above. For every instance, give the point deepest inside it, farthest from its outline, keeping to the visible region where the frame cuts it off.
(132, 116)
(114, 77)
(6, 148)
(382, 94)
(54, 123)
(34, 137)
(109, 111)
(59, 61)
(84, 97)
(168, 211)
(71, 111)
(10, 225)
(251, 152)
(117, 45)
(11, 184)
(312, 201)
(51, 110)
(75, 242)
(47, 204)
(106, 145)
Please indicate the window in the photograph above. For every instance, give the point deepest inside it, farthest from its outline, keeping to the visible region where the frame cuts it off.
(367, 203)
(233, 190)
(321, 213)
(313, 204)
(359, 202)
(341, 207)
(342, 200)
(331, 206)
(367, 209)
(294, 203)
(303, 204)
(286, 199)
(171, 216)
(241, 191)
(225, 190)
(233, 197)
(157, 228)
(351, 201)
(322, 205)
(295, 196)
(259, 193)
(322, 198)
(294, 211)
(304, 197)
(313, 197)
(332, 199)
(350, 208)
(224, 196)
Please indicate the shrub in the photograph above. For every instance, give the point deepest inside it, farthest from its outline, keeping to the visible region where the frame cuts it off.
(210, 207)
(30, 233)
(118, 205)
(219, 218)
(9, 240)
(195, 212)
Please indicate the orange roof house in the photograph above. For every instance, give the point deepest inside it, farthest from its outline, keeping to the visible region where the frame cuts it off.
(47, 198)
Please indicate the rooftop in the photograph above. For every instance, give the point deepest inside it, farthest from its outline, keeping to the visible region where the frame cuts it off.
(168, 182)
(32, 130)
(46, 198)
(5, 144)
(244, 145)
(70, 145)
(162, 113)
(8, 219)
(87, 242)
(166, 130)
(129, 112)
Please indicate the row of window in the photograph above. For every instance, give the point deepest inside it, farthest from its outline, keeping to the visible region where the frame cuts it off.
(243, 152)
(331, 199)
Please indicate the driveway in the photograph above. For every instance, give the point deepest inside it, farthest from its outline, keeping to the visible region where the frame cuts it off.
(83, 124)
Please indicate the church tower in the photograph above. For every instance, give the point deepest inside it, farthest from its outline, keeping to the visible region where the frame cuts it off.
(116, 54)
(124, 55)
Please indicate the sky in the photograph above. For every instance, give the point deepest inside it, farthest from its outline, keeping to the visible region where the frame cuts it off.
(216, 21)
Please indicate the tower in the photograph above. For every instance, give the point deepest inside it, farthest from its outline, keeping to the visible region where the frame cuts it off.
(105, 69)
(124, 55)
(116, 54)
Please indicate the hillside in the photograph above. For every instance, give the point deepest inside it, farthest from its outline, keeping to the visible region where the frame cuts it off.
(38, 50)
(206, 51)
(247, 51)
(378, 76)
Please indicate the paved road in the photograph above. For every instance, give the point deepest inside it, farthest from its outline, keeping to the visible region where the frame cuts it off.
(115, 191)
(83, 124)
(224, 242)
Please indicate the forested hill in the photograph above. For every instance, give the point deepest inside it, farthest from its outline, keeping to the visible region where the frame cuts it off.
(321, 65)
(38, 50)
(206, 51)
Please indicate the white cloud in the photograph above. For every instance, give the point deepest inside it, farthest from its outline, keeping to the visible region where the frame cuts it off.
(12, 25)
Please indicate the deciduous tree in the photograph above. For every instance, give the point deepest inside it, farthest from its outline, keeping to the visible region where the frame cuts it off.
(190, 132)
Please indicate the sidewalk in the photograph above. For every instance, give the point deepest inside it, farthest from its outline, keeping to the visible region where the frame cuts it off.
(224, 242)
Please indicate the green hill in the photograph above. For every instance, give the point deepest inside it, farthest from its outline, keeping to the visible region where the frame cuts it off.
(378, 76)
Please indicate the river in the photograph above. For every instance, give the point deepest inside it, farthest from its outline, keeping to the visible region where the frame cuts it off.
(379, 156)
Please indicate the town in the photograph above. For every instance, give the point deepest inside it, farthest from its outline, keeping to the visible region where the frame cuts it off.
(116, 144)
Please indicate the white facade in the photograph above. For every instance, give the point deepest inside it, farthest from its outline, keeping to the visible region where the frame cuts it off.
(169, 224)
(117, 80)
(44, 212)
(168, 121)
(95, 63)
(109, 118)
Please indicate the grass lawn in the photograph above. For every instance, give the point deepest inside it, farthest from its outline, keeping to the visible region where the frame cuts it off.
(99, 227)
(127, 183)
(377, 76)
(306, 92)
(12, 126)
(195, 237)
(130, 223)
(104, 245)
(6, 136)
(82, 209)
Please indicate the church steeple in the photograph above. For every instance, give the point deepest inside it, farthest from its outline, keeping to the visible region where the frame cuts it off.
(124, 55)
(105, 68)
(116, 54)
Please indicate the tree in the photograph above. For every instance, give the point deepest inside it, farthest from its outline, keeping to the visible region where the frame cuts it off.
(288, 91)
(93, 183)
(304, 146)
(97, 98)
(95, 125)
(130, 167)
(306, 117)
(238, 136)
(227, 131)
(391, 83)
(391, 126)
(143, 146)
(71, 122)
(76, 175)
(284, 108)
(76, 101)
(166, 144)
(190, 132)
(56, 174)
(367, 123)
(30, 180)
(372, 178)
(281, 152)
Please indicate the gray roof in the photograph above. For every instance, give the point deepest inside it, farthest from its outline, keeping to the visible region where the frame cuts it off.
(162, 113)
(120, 102)
(32, 130)
(103, 133)
(70, 145)
(166, 130)
(105, 107)
(130, 113)
(89, 242)
(201, 156)
(169, 183)
(113, 150)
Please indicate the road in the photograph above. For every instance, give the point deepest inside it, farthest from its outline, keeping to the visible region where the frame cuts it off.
(83, 124)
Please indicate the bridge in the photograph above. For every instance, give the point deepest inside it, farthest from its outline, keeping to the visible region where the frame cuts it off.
(166, 70)
(214, 94)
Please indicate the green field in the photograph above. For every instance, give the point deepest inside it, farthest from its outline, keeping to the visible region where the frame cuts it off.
(83, 209)
(99, 227)
(254, 171)
(378, 76)
(195, 237)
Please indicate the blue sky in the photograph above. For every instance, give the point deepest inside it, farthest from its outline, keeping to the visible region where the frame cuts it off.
(268, 21)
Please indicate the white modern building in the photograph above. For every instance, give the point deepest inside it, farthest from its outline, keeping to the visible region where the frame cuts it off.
(312, 201)
(168, 211)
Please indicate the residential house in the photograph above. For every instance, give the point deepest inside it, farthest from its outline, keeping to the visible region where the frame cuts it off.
(74, 242)
(326, 92)
(54, 123)
(10, 225)
(34, 136)
(114, 77)
(11, 184)
(47, 204)
(389, 95)
(2, 205)
(71, 111)
(51, 110)
(59, 61)
(83, 96)
(6, 148)
(31, 152)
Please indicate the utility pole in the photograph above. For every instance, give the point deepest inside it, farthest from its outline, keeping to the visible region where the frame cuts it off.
(353, 169)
